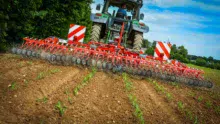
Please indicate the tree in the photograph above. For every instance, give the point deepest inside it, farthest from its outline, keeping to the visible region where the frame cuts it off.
(146, 43)
(200, 62)
(183, 51)
(210, 58)
(41, 18)
(154, 44)
(173, 51)
(179, 53)
(150, 51)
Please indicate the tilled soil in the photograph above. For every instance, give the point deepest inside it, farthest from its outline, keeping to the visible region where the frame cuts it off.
(155, 107)
(102, 100)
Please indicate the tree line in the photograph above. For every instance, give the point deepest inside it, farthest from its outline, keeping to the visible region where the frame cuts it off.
(180, 53)
(41, 19)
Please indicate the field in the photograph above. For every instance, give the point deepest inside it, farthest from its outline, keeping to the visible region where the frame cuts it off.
(34, 91)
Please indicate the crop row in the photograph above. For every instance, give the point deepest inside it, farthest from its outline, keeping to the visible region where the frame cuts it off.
(132, 98)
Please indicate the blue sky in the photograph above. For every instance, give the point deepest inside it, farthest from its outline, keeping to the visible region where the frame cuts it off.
(192, 23)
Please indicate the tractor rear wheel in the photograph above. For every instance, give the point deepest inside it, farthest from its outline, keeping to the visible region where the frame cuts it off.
(138, 38)
(96, 32)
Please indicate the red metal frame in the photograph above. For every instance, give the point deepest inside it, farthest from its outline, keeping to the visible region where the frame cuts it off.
(115, 54)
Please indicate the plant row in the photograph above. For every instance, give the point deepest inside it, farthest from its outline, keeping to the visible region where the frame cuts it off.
(132, 98)
(181, 107)
(84, 82)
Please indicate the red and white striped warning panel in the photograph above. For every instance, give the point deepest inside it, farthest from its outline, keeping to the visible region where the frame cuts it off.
(76, 33)
(162, 50)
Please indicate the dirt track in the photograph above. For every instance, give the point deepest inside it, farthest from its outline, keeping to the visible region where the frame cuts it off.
(103, 100)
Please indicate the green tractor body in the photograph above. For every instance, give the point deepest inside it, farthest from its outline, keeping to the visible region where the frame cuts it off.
(107, 24)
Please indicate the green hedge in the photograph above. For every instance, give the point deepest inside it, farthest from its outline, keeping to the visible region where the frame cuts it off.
(41, 18)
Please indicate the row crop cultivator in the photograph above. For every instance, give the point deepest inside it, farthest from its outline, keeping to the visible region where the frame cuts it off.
(111, 56)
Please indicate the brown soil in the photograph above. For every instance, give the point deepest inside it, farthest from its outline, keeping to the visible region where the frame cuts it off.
(103, 100)
(153, 105)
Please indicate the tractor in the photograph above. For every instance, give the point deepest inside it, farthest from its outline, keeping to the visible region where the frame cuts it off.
(107, 24)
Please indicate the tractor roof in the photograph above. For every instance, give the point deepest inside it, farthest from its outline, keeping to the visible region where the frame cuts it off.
(129, 3)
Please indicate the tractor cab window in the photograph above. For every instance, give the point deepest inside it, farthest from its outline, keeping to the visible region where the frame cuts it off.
(113, 11)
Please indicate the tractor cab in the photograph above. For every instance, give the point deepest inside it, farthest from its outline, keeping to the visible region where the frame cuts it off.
(132, 8)
(108, 23)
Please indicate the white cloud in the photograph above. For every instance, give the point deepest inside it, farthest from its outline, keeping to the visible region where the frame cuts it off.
(181, 3)
(175, 21)
(173, 26)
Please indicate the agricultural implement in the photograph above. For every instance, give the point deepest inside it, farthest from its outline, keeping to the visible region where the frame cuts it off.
(110, 57)
(112, 54)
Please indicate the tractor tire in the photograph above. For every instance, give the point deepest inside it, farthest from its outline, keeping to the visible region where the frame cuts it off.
(96, 32)
(138, 38)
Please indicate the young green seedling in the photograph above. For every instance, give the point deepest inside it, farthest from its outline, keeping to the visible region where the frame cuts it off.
(43, 100)
(30, 63)
(53, 71)
(200, 98)
(25, 82)
(60, 107)
(40, 76)
(196, 120)
(180, 105)
(169, 96)
(208, 104)
(76, 91)
(70, 100)
(189, 114)
(217, 110)
(12, 86)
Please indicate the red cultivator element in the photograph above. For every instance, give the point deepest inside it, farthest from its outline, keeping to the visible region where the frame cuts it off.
(111, 56)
